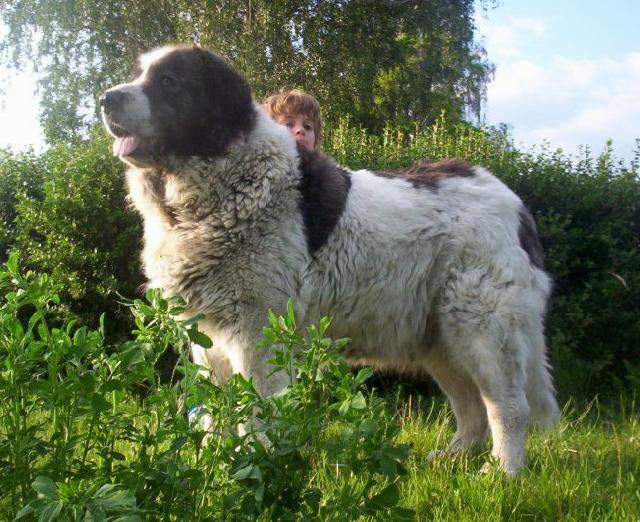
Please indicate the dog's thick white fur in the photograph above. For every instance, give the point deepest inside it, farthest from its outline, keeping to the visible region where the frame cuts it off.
(434, 271)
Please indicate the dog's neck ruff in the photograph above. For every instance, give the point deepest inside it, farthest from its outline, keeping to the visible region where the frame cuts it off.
(219, 202)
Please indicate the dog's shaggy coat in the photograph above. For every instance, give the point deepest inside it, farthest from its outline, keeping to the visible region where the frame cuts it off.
(435, 268)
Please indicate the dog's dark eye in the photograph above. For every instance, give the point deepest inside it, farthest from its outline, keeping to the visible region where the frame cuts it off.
(167, 81)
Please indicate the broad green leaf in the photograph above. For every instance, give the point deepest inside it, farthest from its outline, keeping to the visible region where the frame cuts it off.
(12, 263)
(243, 473)
(199, 338)
(50, 512)
(256, 473)
(291, 315)
(259, 492)
(178, 443)
(103, 490)
(25, 511)
(80, 336)
(387, 498)
(99, 403)
(388, 467)
(369, 427)
(45, 487)
(359, 402)
(118, 499)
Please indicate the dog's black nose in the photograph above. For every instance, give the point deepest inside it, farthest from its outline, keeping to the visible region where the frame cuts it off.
(111, 100)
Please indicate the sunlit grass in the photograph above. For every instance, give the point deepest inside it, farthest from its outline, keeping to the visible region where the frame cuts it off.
(587, 468)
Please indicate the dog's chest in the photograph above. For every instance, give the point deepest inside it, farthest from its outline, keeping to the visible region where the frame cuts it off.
(218, 250)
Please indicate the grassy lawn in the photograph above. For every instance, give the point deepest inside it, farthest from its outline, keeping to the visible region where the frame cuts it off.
(588, 468)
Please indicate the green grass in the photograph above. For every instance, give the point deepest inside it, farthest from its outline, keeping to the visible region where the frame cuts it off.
(588, 468)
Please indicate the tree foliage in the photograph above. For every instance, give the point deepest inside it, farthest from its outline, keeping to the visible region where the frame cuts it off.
(21, 176)
(374, 61)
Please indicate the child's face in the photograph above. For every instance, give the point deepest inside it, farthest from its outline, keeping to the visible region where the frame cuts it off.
(301, 128)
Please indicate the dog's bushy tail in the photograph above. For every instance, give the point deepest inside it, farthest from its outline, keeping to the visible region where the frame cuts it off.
(541, 395)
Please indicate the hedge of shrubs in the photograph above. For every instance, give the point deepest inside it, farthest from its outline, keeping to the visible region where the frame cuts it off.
(65, 211)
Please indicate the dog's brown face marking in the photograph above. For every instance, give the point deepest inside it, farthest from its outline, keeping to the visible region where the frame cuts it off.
(182, 102)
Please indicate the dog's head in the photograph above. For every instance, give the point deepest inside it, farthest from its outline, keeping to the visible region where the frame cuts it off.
(182, 102)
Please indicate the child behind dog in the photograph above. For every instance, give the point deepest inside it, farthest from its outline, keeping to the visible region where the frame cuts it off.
(300, 113)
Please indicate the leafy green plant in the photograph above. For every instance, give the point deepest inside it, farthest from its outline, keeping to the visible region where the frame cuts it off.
(87, 430)
(77, 229)
(322, 416)
(20, 176)
(71, 501)
(59, 389)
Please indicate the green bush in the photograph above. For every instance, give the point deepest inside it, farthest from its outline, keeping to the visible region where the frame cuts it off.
(79, 442)
(20, 177)
(589, 220)
(77, 229)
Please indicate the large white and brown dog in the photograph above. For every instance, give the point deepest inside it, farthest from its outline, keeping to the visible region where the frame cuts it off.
(434, 268)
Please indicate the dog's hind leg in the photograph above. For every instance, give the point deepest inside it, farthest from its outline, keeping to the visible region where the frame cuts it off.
(499, 373)
(466, 402)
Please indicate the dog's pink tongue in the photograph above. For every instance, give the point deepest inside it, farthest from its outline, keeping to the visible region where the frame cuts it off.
(125, 146)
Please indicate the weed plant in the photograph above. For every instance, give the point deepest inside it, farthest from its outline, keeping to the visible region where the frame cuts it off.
(89, 433)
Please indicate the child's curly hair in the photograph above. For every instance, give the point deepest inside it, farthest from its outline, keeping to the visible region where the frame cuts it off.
(295, 101)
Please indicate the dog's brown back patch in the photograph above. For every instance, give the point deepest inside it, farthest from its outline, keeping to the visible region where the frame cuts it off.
(428, 174)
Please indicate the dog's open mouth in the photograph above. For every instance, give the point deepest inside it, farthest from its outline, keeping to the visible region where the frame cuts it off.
(125, 145)
(126, 142)
(131, 146)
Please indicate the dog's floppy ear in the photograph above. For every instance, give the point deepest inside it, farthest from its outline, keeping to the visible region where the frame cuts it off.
(230, 110)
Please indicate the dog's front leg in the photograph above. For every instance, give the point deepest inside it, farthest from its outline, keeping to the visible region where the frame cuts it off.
(235, 350)
(253, 363)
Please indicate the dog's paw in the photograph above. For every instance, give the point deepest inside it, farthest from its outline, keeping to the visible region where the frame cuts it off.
(488, 468)
(437, 454)
(493, 466)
